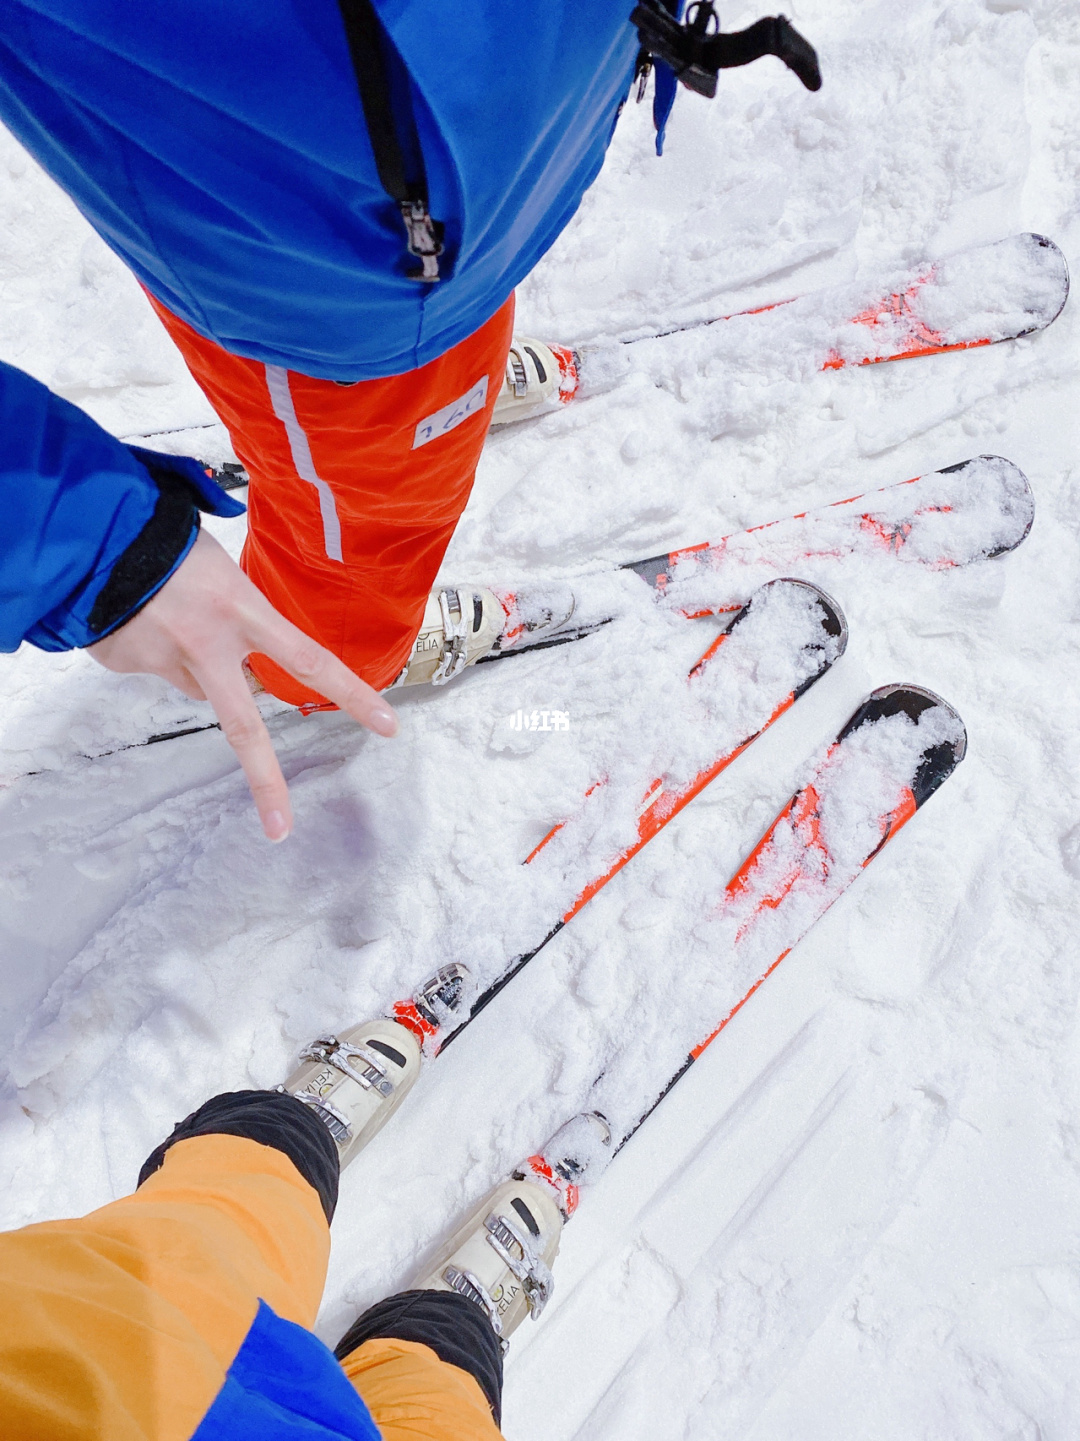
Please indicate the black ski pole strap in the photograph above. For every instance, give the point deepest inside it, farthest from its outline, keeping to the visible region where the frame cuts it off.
(696, 50)
(424, 235)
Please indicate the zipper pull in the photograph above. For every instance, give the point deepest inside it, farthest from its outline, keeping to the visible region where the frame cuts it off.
(425, 239)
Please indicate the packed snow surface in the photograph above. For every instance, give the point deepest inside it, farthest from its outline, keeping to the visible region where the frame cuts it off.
(858, 1214)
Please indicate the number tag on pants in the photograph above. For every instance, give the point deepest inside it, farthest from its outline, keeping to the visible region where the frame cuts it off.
(451, 415)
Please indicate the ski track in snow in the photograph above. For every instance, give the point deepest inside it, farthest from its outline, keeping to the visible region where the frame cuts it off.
(859, 1214)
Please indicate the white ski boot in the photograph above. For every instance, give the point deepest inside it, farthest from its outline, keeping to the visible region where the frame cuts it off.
(461, 625)
(355, 1081)
(501, 1257)
(464, 624)
(538, 378)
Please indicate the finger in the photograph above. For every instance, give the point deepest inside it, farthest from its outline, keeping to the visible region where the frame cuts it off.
(242, 725)
(319, 670)
(183, 680)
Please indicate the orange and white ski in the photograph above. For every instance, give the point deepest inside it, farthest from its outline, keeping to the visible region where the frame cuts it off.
(897, 749)
(943, 520)
(801, 632)
(974, 297)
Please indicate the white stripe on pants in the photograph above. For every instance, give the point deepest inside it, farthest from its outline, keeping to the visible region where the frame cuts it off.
(277, 382)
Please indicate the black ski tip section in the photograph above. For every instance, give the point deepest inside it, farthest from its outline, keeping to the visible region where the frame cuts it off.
(1015, 497)
(833, 624)
(833, 619)
(938, 761)
(1043, 242)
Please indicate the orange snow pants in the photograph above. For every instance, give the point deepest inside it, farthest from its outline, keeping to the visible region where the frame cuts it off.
(128, 1324)
(355, 489)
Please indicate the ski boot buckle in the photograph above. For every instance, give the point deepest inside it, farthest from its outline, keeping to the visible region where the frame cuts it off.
(535, 1277)
(335, 1121)
(516, 373)
(339, 1054)
(467, 1285)
(455, 655)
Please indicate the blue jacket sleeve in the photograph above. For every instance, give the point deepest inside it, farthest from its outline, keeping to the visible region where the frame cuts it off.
(91, 528)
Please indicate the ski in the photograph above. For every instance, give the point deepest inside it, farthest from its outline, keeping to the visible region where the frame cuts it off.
(943, 520)
(975, 297)
(898, 748)
(973, 511)
(794, 627)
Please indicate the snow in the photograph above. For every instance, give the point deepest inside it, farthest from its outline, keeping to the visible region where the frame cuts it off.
(859, 1213)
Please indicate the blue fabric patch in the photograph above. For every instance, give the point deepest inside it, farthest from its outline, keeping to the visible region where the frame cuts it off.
(664, 84)
(285, 1385)
(664, 88)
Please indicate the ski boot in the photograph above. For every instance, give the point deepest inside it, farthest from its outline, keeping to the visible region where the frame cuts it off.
(355, 1081)
(501, 1257)
(538, 378)
(466, 624)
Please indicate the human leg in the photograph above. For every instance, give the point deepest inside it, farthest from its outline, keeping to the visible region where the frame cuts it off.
(354, 490)
(427, 1364)
(183, 1310)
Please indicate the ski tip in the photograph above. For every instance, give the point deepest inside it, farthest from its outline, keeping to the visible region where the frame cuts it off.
(832, 639)
(1054, 260)
(1003, 482)
(833, 620)
(947, 742)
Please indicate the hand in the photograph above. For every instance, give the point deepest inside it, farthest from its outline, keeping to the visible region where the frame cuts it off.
(196, 633)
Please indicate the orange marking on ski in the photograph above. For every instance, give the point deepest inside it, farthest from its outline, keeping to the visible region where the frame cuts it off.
(707, 1042)
(898, 308)
(711, 551)
(835, 362)
(863, 494)
(758, 310)
(556, 829)
(707, 657)
(569, 375)
(668, 804)
(891, 823)
(515, 627)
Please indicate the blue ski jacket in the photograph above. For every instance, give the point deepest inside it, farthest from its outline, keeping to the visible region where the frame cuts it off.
(219, 147)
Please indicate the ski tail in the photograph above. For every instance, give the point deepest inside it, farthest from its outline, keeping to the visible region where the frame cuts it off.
(818, 642)
(230, 475)
(797, 870)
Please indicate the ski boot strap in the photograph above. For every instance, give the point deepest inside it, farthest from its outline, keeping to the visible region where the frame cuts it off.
(537, 1282)
(455, 623)
(372, 1073)
(335, 1121)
